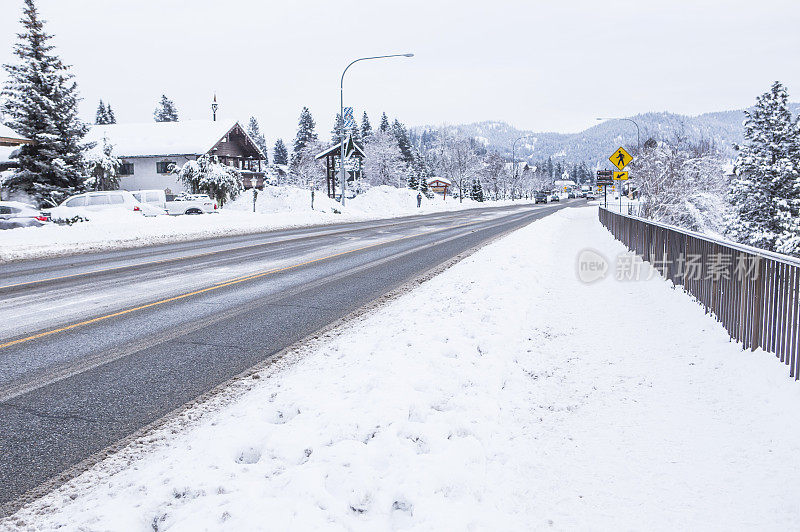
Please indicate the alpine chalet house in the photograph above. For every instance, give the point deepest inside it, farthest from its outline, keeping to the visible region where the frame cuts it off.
(149, 151)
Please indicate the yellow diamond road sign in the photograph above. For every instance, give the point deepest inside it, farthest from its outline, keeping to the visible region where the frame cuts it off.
(621, 176)
(621, 158)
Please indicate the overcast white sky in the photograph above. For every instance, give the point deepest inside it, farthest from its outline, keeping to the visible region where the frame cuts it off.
(541, 65)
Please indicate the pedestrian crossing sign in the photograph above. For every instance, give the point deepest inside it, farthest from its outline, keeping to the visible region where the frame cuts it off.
(621, 176)
(620, 158)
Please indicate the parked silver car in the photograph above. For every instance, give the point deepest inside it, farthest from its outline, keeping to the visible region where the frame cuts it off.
(177, 204)
(15, 214)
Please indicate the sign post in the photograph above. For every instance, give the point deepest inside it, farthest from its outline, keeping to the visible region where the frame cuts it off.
(620, 159)
(605, 178)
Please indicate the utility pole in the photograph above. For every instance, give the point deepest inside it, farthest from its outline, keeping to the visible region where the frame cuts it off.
(342, 175)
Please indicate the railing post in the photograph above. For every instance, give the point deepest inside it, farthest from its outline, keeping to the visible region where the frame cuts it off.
(755, 336)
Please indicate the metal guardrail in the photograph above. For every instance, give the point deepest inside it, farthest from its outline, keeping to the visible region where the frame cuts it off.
(754, 294)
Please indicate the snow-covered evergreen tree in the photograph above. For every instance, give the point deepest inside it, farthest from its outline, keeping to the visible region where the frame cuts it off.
(103, 166)
(337, 128)
(765, 192)
(418, 174)
(366, 128)
(280, 155)
(110, 116)
(476, 194)
(384, 127)
(413, 179)
(207, 176)
(403, 143)
(305, 133)
(305, 130)
(254, 131)
(165, 110)
(41, 103)
(101, 115)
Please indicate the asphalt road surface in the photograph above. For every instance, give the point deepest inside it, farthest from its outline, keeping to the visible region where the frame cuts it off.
(96, 346)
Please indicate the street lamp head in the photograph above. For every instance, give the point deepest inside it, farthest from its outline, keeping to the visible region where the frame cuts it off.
(408, 55)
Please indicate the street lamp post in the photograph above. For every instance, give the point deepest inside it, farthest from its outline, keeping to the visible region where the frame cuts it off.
(638, 140)
(514, 156)
(341, 114)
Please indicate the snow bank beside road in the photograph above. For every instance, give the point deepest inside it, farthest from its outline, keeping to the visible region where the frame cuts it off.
(276, 208)
(503, 395)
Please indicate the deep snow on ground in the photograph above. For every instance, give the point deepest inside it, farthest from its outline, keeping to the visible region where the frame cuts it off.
(276, 208)
(503, 394)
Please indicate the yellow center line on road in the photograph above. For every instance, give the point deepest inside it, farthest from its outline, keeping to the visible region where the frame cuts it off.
(152, 262)
(223, 284)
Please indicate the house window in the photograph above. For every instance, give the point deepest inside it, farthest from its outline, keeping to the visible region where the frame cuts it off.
(165, 167)
(126, 169)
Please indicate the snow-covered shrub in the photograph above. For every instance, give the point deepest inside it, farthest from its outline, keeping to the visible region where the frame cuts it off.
(103, 167)
(682, 184)
(207, 176)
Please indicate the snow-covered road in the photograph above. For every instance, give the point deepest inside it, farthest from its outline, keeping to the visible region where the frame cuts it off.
(277, 208)
(503, 394)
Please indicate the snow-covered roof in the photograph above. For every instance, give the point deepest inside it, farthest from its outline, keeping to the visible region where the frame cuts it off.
(336, 148)
(192, 137)
(442, 179)
(5, 153)
(9, 137)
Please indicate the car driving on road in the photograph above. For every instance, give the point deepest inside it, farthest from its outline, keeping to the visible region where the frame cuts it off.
(540, 197)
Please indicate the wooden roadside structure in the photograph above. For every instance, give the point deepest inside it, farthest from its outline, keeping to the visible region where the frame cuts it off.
(354, 157)
(439, 185)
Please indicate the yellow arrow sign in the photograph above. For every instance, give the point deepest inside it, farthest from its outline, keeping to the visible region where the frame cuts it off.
(621, 176)
(620, 158)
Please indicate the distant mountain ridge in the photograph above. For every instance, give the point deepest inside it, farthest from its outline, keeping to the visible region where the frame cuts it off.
(593, 145)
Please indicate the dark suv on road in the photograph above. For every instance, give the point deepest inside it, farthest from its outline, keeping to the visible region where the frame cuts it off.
(540, 197)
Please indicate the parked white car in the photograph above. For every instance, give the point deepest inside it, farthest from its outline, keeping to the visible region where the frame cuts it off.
(180, 204)
(108, 200)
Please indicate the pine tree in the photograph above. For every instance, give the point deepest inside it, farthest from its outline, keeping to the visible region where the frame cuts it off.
(421, 168)
(413, 179)
(366, 128)
(476, 194)
(254, 131)
(354, 131)
(384, 123)
(280, 154)
(305, 130)
(112, 119)
(401, 135)
(41, 103)
(165, 110)
(337, 128)
(101, 116)
(765, 193)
